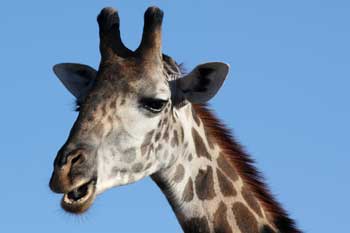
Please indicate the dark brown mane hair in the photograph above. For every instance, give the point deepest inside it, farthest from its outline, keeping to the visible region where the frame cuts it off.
(245, 168)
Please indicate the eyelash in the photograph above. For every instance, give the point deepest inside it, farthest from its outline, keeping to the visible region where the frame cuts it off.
(153, 105)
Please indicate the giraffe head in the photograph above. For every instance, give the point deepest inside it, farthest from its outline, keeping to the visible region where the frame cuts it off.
(126, 110)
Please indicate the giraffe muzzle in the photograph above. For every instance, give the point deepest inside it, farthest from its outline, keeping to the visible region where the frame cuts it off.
(73, 177)
(79, 199)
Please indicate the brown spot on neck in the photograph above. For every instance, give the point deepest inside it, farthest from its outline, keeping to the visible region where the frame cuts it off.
(196, 225)
(187, 194)
(251, 200)
(226, 167)
(267, 229)
(205, 184)
(179, 173)
(244, 218)
(221, 224)
(201, 149)
(226, 187)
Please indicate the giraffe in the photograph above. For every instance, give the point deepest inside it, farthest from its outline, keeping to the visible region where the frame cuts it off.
(141, 115)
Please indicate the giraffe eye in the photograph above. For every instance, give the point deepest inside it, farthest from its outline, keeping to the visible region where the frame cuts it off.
(153, 105)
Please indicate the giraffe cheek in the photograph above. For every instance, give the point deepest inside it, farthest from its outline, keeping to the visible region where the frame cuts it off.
(129, 156)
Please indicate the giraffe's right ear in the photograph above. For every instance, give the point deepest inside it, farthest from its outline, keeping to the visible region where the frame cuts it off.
(77, 78)
(201, 84)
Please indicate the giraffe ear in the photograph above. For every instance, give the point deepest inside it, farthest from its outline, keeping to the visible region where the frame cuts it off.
(202, 83)
(77, 78)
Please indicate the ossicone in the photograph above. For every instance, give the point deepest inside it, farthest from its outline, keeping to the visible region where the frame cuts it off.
(111, 44)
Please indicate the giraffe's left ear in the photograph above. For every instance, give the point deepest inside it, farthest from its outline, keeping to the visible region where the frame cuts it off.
(77, 78)
(202, 83)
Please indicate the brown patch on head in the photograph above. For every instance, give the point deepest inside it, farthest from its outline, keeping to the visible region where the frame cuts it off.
(205, 184)
(160, 123)
(137, 167)
(187, 194)
(179, 173)
(199, 225)
(166, 134)
(146, 142)
(157, 136)
(165, 122)
(201, 149)
(244, 218)
(175, 140)
(190, 157)
(182, 135)
(225, 165)
(221, 224)
(251, 200)
(225, 185)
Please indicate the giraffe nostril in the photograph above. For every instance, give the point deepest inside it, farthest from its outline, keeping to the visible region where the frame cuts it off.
(78, 158)
(73, 157)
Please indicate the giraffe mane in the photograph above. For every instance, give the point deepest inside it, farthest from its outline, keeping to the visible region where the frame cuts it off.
(245, 167)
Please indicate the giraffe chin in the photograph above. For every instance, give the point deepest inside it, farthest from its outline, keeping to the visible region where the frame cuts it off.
(79, 199)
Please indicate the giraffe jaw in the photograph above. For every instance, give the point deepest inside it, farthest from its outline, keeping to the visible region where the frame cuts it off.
(79, 199)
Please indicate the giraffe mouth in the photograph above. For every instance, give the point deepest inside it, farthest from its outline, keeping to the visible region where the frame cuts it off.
(80, 198)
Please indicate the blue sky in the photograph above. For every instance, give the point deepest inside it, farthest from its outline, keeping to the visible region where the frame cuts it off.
(286, 97)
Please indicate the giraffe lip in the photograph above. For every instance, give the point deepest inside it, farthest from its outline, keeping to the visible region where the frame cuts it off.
(80, 198)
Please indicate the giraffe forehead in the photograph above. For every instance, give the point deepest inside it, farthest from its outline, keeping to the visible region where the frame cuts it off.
(131, 70)
(106, 92)
(137, 83)
(130, 78)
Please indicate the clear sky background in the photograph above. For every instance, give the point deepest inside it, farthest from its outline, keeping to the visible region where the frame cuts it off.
(286, 97)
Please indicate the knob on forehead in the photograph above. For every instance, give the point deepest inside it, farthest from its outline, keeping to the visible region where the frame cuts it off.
(111, 44)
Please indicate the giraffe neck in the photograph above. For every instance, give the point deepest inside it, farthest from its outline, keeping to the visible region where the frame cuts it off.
(207, 191)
